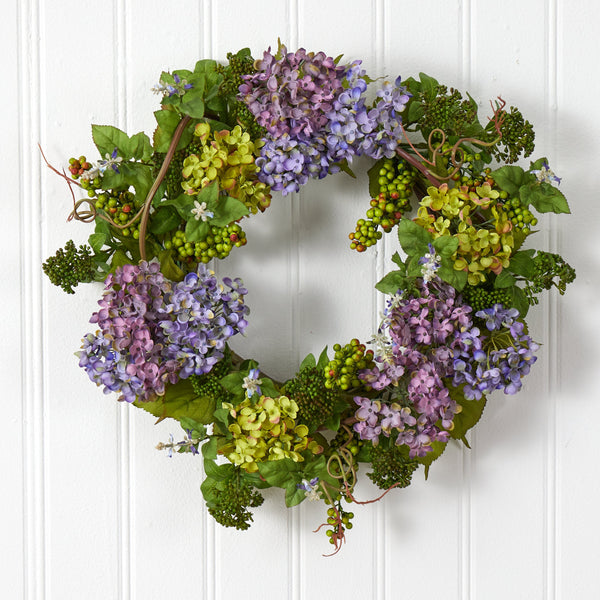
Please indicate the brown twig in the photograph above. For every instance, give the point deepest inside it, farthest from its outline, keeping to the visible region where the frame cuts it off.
(161, 175)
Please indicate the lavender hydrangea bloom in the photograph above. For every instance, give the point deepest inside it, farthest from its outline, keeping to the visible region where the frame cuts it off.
(316, 117)
(154, 332)
(503, 368)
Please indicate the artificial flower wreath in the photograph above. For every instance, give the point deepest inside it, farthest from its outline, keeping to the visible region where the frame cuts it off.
(454, 329)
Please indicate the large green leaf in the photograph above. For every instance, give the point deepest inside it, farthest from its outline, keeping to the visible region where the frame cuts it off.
(308, 362)
(544, 198)
(107, 138)
(522, 263)
(437, 449)
(468, 417)
(180, 400)
(510, 178)
(504, 280)
(227, 210)
(457, 279)
(413, 238)
(446, 245)
(391, 283)
(164, 219)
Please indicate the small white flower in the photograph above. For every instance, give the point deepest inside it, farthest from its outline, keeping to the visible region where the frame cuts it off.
(199, 211)
(311, 489)
(545, 175)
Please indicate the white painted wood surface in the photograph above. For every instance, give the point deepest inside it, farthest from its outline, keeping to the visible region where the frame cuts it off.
(90, 510)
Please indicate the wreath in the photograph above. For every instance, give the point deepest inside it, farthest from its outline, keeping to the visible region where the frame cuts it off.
(230, 135)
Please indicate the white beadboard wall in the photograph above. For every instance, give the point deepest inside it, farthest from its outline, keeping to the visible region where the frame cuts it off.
(90, 510)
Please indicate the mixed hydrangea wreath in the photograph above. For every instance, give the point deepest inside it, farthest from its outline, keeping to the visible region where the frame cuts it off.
(453, 331)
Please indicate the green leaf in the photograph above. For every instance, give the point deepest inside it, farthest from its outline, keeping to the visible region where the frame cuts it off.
(309, 361)
(168, 120)
(97, 241)
(221, 416)
(397, 259)
(209, 450)
(208, 65)
(538, 164)
(544, 198)
(323, 359)
(180, 400)
(429, 86)
(140, 147)
(183, 204)
(267, 388)
(168, 267)
(107, 138)
(519, 300)
(196, 230)
(119, 258)
(192, 102)
(218, 472)
(294, 495)
(413, 238)
(392, 282)
(457, 279)
(279, 472)
(198, 429)
(509, 178)
(522, 263)
(373, 174)
(446, 245)
(227, 211)
(468, 417)
(345, 168)
(164, 219)
(437, 450)
(504, 280)
(233, 384)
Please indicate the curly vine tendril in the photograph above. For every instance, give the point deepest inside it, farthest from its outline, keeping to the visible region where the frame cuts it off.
(456, 153)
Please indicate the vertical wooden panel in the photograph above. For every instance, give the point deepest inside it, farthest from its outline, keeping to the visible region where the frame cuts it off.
(78, 76)
(509, 486)
(12, 443)
(578, 473)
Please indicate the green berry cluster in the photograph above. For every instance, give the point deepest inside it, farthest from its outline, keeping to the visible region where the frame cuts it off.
(70, 266)
(395, 182)
(217, 244)
(480, 298)
(339, 520)
(391, 467)
(550, 270)
(120, 207)
(233, 501)
(209, 385)
(517, 137)
(448, 111)
(342, 371)
(520, 216)
(239, 64)
(315, 401)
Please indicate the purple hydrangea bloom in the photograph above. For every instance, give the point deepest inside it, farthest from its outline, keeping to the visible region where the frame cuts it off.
(153, 332)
